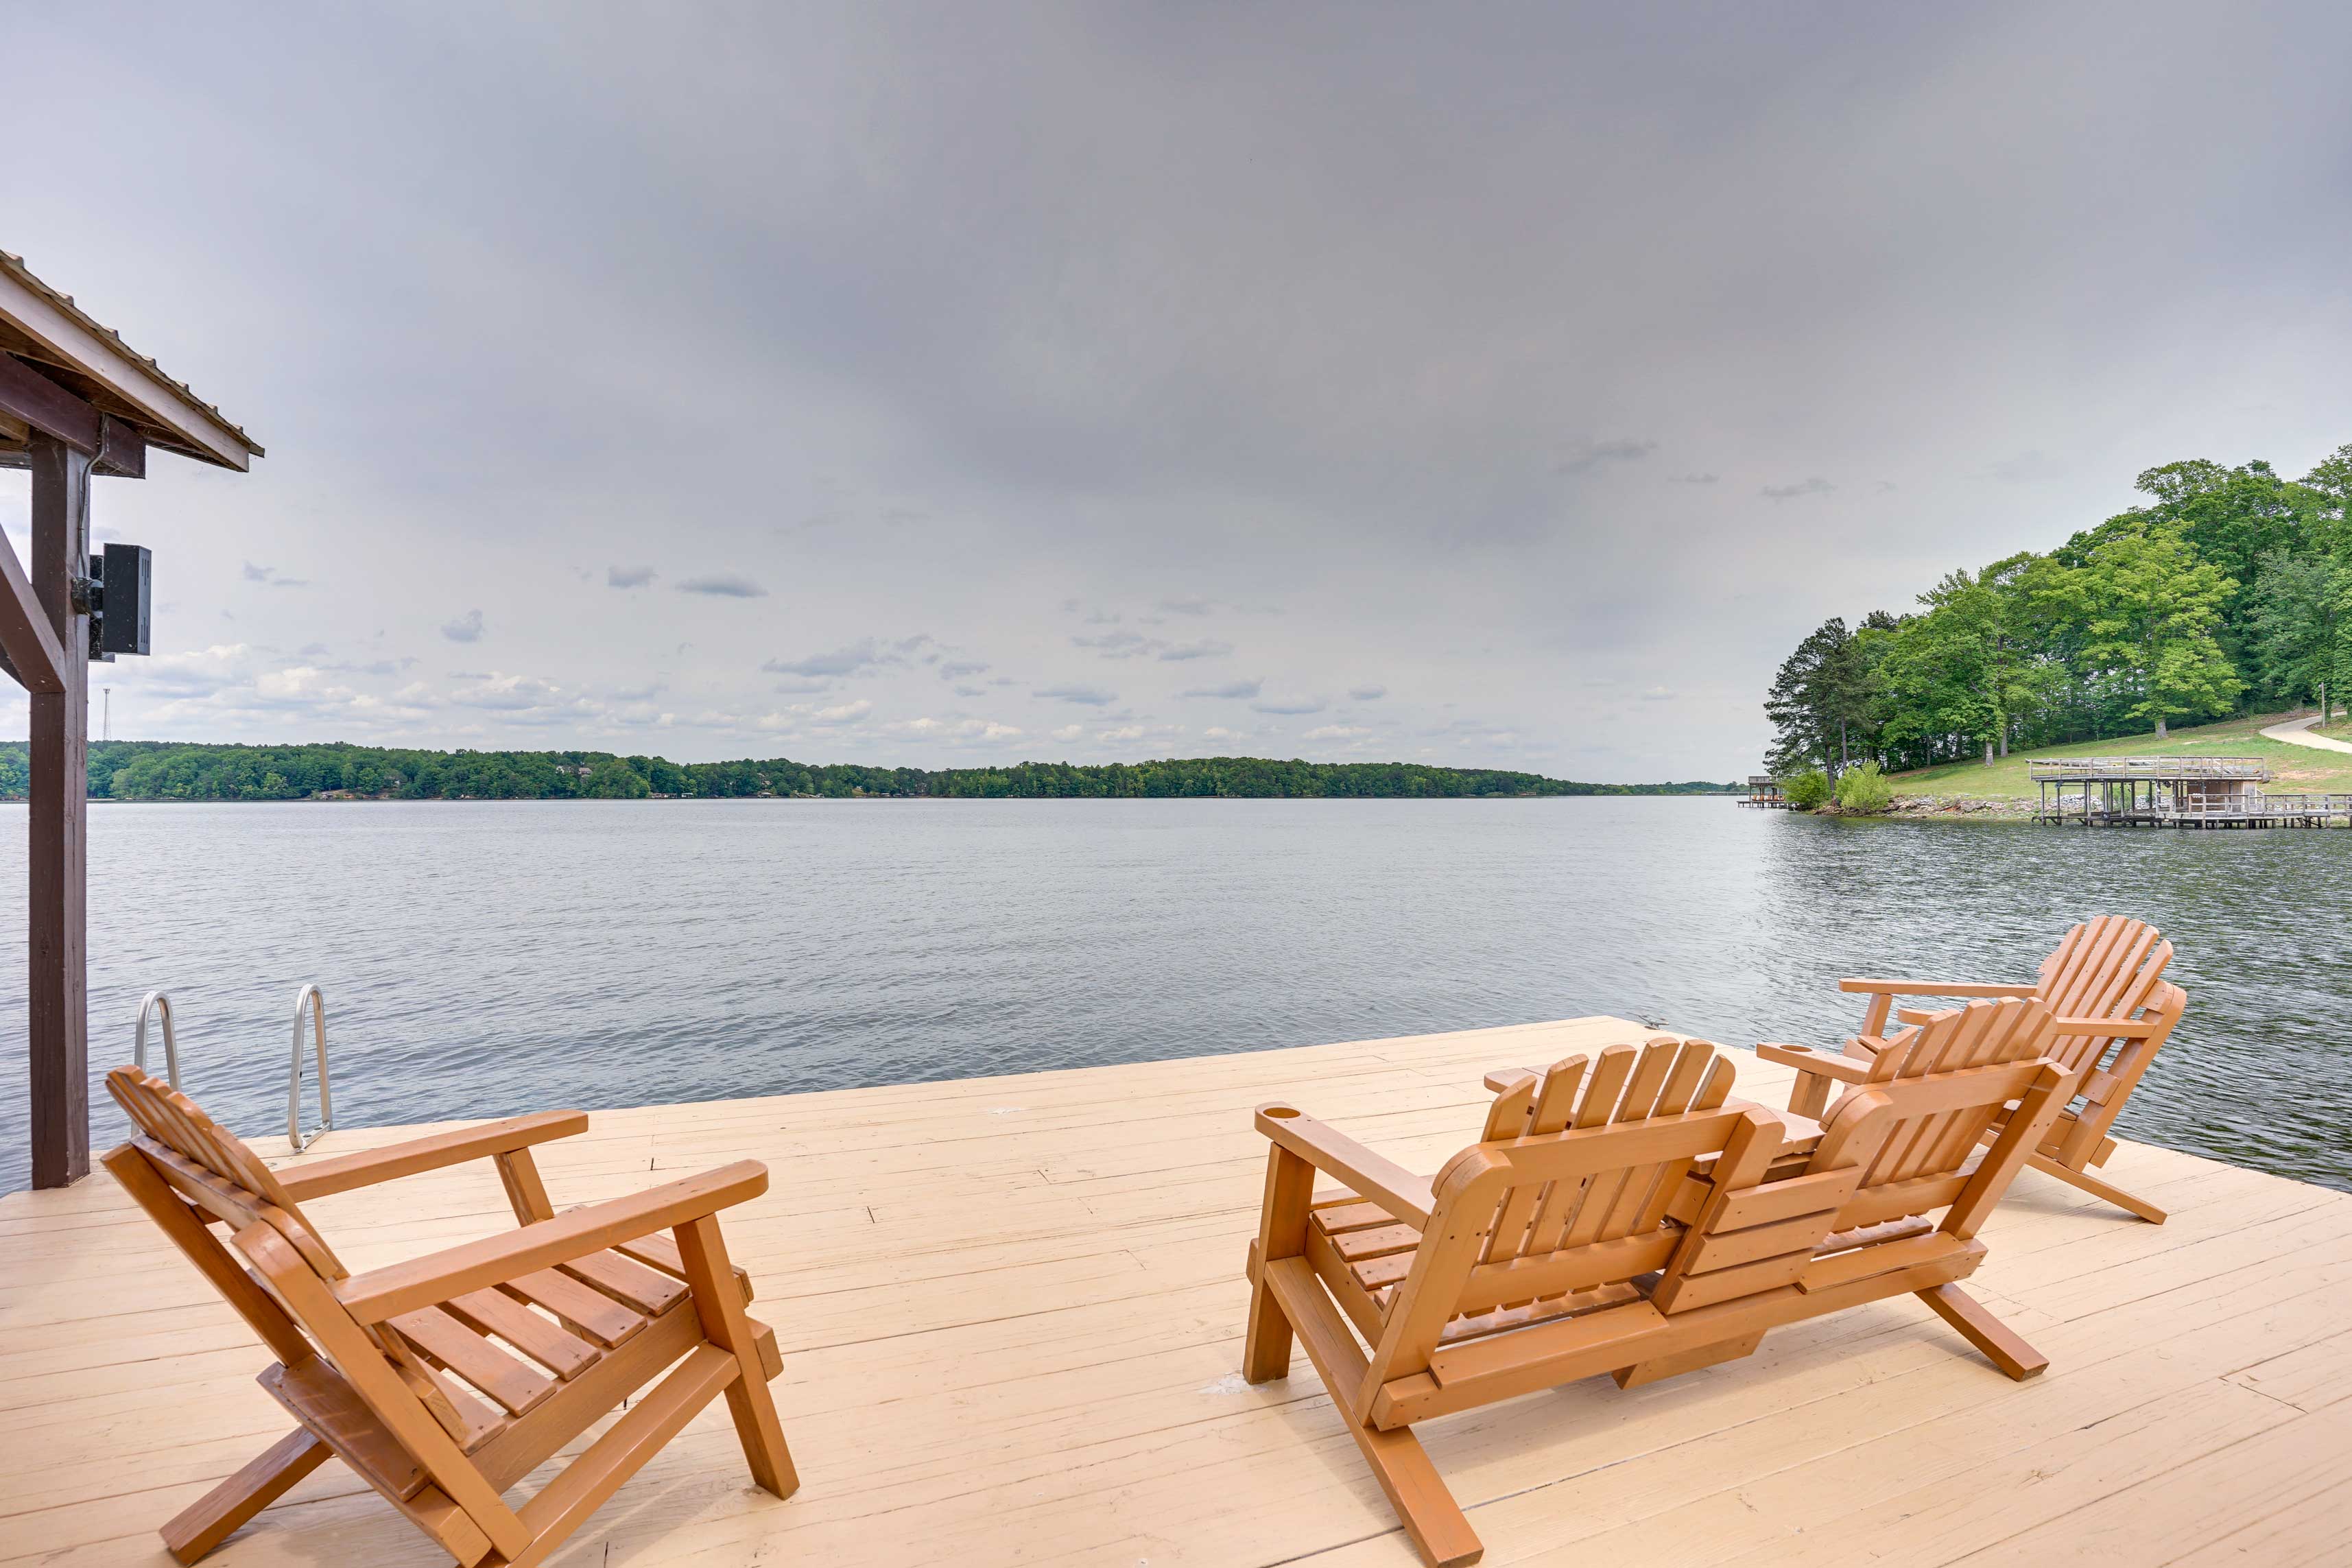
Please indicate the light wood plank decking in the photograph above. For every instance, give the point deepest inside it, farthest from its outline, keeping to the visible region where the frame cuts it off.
(1012, 1312)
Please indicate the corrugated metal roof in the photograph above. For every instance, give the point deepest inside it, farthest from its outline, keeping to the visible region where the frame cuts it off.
(14, 266)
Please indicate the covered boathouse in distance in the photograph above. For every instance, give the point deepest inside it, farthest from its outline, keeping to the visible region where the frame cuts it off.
(2174, 792)
(74, 402)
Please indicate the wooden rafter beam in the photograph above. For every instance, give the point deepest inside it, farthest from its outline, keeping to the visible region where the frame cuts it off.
(29, 395)
(25, 636)
(30, 401)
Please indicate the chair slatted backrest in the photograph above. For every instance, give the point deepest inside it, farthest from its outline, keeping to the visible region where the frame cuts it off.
(1566, 1197)
(1892, 1151)
(1664, 1076)
(181, 1126)
(221, 1177)
(2107, 967)
(1913, 1127)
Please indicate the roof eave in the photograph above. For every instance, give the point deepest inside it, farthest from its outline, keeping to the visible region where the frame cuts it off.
(195, 428)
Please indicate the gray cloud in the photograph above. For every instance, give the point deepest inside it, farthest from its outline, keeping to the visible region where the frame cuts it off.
(722, 584)
(1206, 648)
(1816, 486)
(1114, 645)
(466, 628)
(863, 657)
(1232, 689)
(1588, 456)
(1367, 694)
(1289, 705)
(978, 265)
(627, 576)
(1090, 696)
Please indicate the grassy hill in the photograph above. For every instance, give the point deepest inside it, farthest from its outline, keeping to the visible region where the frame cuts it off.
(2296, 767)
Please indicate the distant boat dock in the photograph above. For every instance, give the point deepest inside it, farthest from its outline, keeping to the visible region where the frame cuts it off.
(2175, 791)
(1764, 790)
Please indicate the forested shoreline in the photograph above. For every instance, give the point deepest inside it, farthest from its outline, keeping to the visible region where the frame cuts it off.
(174, 771)
(2228, 591)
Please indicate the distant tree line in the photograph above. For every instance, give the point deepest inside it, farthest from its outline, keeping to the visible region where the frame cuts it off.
(168, 770)
(2228, 591)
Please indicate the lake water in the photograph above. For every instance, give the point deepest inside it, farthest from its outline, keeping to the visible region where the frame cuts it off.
(486, 959)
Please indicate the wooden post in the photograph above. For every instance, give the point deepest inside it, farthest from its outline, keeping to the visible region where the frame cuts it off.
(59, 830)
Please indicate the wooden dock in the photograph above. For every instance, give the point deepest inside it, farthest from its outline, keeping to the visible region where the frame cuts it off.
(1012, 1311)
(2174, 792)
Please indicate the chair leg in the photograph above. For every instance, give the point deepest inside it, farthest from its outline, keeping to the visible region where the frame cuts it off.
(718, 1301)
(2097, 1188)
(1282, 1232)
(224, 1510)
(1667, 1367)
(1976, 1325)
(1809, 1096)
(1423, 1505)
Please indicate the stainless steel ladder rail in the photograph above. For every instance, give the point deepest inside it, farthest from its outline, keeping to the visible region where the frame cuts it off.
(157, 1002)
(308, 997)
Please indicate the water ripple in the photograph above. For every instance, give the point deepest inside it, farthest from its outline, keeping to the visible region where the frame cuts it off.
(486, 959)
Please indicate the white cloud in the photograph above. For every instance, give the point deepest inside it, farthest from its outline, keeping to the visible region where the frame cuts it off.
(1337, 732)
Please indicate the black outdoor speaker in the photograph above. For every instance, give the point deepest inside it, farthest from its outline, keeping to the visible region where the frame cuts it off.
(123, 599)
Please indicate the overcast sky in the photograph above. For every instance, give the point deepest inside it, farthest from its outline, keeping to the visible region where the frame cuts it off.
(933, 385)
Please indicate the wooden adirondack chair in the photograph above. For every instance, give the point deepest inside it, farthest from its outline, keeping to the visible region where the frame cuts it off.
(2115, 1009)
(1621, 1216)
(444, 1381)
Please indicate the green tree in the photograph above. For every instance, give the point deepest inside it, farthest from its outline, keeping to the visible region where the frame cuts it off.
(2302, 625)
(2149, 606)
(2237, 518)
(1821, 701)
(1973, 662)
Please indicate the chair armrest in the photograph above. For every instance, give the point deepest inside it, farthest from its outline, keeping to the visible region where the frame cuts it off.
(1805, 1059)
(1502, 1079)
(344, 1171)
(1933, 988)
(2113, 1029)
(383, 1293)
(1382, 1180)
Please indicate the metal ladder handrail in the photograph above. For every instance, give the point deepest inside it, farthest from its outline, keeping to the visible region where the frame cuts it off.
(318, 1004)
(156, 1001)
